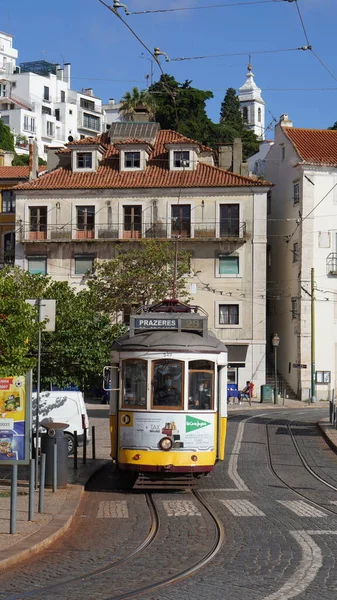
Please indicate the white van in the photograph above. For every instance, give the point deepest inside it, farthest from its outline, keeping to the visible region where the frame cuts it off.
(64, 407)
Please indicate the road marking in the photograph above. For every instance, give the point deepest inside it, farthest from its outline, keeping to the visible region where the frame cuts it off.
(242, 508)
(307, 570)
(113, 509)
(217, 489)
(181, 508)
(302, 509)
(333, 501)
(233, 461)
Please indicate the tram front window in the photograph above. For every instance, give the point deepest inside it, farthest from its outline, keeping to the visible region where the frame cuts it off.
(168, 384)
(200, 391)
(134, 383)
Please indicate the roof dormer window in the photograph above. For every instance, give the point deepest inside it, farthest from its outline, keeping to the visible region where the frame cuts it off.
(132, 160)
(84, 160)
(181, 159)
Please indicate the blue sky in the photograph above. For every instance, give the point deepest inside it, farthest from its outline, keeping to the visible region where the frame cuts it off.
(106, 57)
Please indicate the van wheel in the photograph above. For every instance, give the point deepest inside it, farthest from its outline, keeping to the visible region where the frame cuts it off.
(71, 444)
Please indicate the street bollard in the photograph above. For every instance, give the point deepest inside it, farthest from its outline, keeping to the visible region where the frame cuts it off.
(283, 396)
(55, 467)
(42, 482)
(330, 411)
(14, 493)
(93, 442)
(75, 450)
(31, 489)
(84, 446)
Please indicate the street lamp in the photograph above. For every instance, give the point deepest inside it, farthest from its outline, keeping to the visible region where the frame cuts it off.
(275, 341)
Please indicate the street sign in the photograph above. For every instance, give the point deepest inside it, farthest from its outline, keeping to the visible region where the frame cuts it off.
(298, 366)
(47, 311)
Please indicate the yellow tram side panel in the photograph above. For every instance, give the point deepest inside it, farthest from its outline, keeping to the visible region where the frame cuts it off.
(223, 434)
(113, 436)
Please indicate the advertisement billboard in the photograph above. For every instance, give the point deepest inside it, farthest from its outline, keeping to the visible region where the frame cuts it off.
(15, 420)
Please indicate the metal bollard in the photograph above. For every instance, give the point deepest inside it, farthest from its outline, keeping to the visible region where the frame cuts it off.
(42, 482)
(84, 446)
(283, 396)
(330, 411)
(75, 450)
(93, 442)
(31, 489)
(14, 493)
(55, 467)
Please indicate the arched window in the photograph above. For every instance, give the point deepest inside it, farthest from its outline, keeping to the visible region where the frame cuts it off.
(245, 113)
(259, 115)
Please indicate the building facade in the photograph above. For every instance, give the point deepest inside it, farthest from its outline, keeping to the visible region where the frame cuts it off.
(302, 235)
(136, 182)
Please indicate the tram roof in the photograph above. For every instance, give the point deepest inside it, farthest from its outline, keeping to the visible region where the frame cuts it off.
(162, 341)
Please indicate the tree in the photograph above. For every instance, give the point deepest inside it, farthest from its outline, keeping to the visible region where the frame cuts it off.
(6, 137)
(139, 276)
(23, 160)
(230, 113)
(333, 127)
(136, 99)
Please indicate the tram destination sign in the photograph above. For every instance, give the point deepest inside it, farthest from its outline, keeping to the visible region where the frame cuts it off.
(168, 323)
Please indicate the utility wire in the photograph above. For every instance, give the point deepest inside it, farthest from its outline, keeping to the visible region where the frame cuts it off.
(324, 65)
(166, 10)
(179, 59)
(302, 22)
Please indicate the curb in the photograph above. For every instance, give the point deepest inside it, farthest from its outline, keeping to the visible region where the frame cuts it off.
(325, 428)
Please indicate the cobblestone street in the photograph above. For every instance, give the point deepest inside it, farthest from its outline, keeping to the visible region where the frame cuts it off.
(278, 514)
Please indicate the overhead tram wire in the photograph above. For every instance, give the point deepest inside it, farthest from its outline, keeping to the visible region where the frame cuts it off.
(185, 8)
(206, 56)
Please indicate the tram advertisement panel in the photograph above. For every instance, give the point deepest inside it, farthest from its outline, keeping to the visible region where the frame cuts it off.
(190, 431)
(14, 421)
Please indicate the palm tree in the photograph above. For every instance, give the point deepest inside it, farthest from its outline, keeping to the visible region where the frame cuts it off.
(136, 100)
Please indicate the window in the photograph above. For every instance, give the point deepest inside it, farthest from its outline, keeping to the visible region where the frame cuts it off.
(167, 384)
(46, 110)
(91, 122)
(8, 201)
(283, 152)
(9, 248)
(181, 159)
(46, 93)
(181, 220)
(88, 104)
(50, 129)
(228, 265)
(245, 114)
(38, 219)
(83, 264)
(57, 114)
(132, 221)
(45, 149)
(63, 96)
(70, 112)
(84, 160)
(229, 314)
(25, 123)
(132, 160)
(323, 376)
(5, 119)
(295, 252)
(85, 218)
(37, 265)
(200, 385)
(259, 113)
(229, 220)
(269, 203)
(134, 383)
(28, 123)
(3, 92)
(294, 308)
(296, 193)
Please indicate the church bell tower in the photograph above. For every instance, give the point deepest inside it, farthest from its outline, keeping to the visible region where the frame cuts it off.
(252, 105)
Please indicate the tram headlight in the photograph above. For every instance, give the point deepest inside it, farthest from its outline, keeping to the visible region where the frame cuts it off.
(165, 444)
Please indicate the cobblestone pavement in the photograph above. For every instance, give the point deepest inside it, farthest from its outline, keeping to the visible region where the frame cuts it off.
(280, 525)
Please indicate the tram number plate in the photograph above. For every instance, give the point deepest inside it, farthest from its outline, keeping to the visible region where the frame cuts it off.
(192, 324)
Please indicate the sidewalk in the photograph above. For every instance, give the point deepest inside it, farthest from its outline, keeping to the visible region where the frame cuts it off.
(59, 507)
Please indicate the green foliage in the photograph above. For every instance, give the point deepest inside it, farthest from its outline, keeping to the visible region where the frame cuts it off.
(23, 160)
(139, 276)
(230, 113)
(6, 137)
(135, 99)
(333, 127)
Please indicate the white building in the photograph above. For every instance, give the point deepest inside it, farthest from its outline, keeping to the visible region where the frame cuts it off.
(302, 235)
(257, 162)
(136, 182)
(252, 105)
(36, 100)
(112, 112)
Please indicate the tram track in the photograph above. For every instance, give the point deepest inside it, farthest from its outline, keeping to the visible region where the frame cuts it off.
(135, 553)
(305, 465)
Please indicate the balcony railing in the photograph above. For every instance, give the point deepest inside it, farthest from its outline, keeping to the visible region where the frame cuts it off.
(206, 231)
(331, 264)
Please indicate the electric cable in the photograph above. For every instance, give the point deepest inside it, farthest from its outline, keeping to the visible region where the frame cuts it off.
(207, 56)
(184, 8)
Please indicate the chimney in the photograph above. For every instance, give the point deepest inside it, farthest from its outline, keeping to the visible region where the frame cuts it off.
(237, 155)
(111, 100)
(285, 121)
(88, 91)
(225, 156)
(66, 73)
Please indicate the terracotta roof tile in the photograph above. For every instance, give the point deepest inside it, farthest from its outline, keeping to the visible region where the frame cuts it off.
(21, 172)
(156, 174)
(314, 146)
(132, 141)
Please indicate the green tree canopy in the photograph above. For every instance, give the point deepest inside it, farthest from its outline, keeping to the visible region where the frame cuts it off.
(23, 160)
(6, 137)
(135, 99)
(139, 276)
(334, 126)
(230, 113)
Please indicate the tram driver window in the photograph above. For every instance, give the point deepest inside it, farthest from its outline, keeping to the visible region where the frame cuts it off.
(200, 390)
(134, 383)
(167, 385)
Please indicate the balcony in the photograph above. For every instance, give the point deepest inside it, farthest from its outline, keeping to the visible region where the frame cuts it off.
(331, 264)
(196, 232)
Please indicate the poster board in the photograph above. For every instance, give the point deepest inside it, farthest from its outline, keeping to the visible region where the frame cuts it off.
(15, 420)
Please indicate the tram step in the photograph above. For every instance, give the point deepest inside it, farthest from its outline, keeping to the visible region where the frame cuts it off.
(155, 483)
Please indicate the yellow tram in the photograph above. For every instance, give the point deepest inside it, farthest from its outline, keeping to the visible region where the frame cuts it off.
(168, 395)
